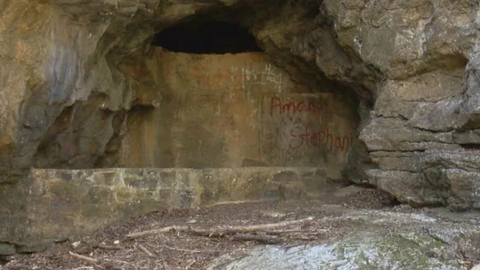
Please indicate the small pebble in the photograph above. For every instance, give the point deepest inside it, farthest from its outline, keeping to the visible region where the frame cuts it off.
(76, 244)
(272, 214)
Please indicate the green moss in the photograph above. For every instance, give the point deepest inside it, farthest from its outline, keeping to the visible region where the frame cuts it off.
(406, 250)
(6, 249)
(123, 195)
(64, 190)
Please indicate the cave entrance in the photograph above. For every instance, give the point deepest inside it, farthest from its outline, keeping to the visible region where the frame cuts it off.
(208, 97)
(214, 37)
(205, 97)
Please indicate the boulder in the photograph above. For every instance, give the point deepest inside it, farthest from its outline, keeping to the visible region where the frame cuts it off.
(380, 240)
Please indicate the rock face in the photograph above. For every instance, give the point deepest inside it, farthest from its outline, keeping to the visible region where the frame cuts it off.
(75, 89)
(421, 129)
(236, 110)
(381, 240)
(74, 74)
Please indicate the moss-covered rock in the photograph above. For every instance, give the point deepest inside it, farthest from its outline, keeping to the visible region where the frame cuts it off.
(372, 240)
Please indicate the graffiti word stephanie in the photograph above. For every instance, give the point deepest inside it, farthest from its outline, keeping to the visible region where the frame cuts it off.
(303, 136)
(279, 106)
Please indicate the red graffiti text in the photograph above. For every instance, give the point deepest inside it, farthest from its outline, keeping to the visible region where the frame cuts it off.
(279, 106)
(303, 136)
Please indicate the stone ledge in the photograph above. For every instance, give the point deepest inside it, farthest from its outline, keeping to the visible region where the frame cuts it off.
(63, 203)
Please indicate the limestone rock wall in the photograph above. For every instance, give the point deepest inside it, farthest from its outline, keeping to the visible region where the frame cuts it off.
(59, 93)
(236, 110)
(421, 131)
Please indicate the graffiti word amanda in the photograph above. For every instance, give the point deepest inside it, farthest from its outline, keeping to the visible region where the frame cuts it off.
(279, 106)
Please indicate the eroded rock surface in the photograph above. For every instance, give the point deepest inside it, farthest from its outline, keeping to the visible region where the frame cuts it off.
(72, 86)
(236, 110)
(422, 128)
(381, 240)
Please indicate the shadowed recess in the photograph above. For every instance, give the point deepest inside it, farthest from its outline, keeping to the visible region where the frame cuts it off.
(207, 38)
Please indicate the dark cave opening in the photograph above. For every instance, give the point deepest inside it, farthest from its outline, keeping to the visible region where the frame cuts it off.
(212, 37)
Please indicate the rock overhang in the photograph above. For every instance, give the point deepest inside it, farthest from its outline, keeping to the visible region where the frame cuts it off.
(333, 45)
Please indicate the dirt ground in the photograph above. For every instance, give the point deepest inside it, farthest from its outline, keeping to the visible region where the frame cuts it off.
(111, 249)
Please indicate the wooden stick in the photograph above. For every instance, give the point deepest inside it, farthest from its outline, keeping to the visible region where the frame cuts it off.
(191, 250)
(266, 239)
(301, 238)
(295, 232)
(107, 247)
(220, 231)
(116, 261)
(144, 249)
(246, 229)
(81, 257)
(190, 264)
(279, 232)
(158, 231)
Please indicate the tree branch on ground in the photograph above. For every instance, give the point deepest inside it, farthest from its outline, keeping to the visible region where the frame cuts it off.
(219, 231)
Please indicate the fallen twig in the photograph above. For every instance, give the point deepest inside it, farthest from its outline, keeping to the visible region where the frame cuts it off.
(116, 261)
(220, 231)
(107, 247)
(158, 231)
(81, 257)
(301, 238)
(280, 232)
(145, 250)
(190, 264)
(191, 250)
(265, 239)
